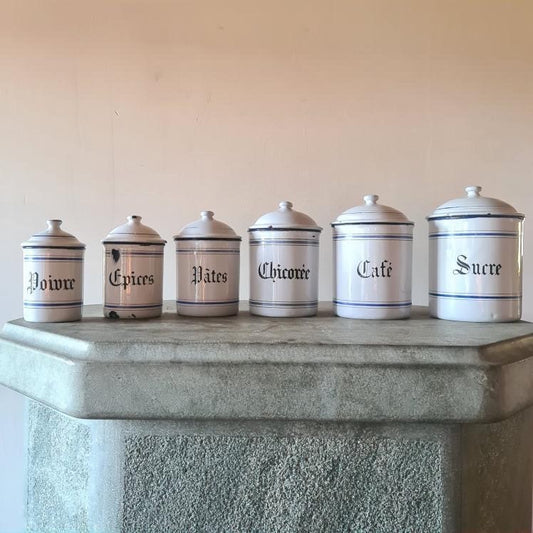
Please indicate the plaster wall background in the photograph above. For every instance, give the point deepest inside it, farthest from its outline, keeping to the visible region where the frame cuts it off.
(165, 108)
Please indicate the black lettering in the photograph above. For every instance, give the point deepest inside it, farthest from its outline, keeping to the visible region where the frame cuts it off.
(114, 277)
(33, 282)
(117, 279)
(206, 275)
(51, 284)
(463, 267)
(195, 276)
(362, 269)
(366, 270)
(267, 270)
(477, 269)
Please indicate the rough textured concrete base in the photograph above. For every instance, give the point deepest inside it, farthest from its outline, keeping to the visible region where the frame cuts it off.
(110, 476)
(252, 424)
(196, 476)
(497, 475)
(58, 472)
(270, 483)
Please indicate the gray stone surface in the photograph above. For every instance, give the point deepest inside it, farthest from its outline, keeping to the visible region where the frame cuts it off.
(318, 368)
(497, 475)
(244, 476)
(282, 484)
(58, 472)
(255, 424)
(106, 476)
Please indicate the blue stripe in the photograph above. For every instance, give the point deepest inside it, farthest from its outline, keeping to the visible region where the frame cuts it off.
(40, 259)
(372, 304)
(207, 251)
(137, 254)
(518, 216)
(259, 303)
(284, 241)
(132, 306)
(376, 237)
(476, 296)
(206, 302)
(474, 234)
(39, 305)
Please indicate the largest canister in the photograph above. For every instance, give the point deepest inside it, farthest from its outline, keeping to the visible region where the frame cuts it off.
(373, 249)
(284, 264)
(475, 260)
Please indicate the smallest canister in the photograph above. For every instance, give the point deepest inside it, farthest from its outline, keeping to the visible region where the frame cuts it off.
(475, 259)
(284, 264)
(133, 271)
(207, 268)
(373, 250)
(53, 275)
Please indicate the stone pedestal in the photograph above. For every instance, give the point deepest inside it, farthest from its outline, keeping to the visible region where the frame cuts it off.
(258, 424)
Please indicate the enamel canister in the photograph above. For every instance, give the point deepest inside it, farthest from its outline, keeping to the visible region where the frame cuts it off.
(284, 264)
(207, 268)
(372, 250)
(133, 271)
(53, 276)
(475, 260)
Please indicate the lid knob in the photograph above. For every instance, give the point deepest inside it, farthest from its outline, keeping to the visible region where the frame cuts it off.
(371, 199)
(207, 215)
(285, 205)
(134, 218)
(473, 191)
(54, 223)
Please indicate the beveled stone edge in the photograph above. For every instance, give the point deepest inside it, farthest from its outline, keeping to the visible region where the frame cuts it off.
(249, 391)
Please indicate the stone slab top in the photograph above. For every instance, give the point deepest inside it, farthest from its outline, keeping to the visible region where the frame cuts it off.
(317, 368)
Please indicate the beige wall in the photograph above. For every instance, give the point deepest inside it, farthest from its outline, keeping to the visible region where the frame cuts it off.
(165, 108)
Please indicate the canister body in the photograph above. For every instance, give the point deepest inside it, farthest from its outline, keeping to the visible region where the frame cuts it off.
(53, 284)
(207, 277)
(284, 272)
(475, 268)
(373, 266)
(133, 282)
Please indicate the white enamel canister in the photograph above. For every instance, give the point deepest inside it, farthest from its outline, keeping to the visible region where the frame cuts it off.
(284, 264)
(207, 268)
(53, 276)
(475, 260)
(133, 271)
(372, 250)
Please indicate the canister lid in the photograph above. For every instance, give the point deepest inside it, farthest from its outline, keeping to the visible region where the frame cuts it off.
(53, 237)
(474, 205)
(206, 228)
(285, 218)
(372, 213)
(133, 232)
